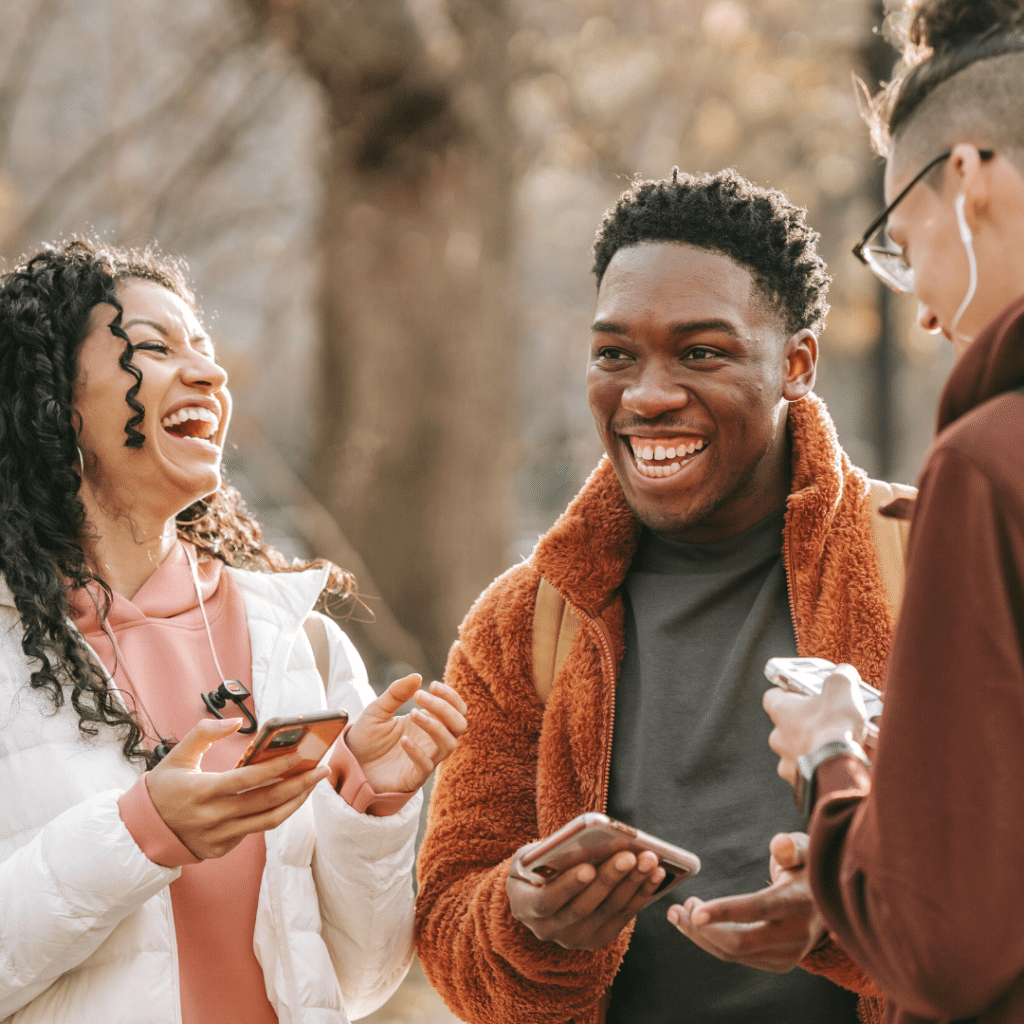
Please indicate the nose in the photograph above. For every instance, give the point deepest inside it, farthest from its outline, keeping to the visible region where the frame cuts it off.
(654, 393)
(927, 319)
(203, 371)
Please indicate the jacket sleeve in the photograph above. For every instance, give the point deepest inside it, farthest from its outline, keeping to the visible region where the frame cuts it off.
(64, 892)
(487, 966)
(917, 868)
(362, 867)
(831, 961)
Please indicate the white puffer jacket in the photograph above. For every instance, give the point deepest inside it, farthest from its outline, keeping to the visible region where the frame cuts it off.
(86, 932)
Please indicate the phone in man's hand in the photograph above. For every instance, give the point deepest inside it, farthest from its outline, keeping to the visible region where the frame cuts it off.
(593, 838)
(311, 735)
(808, 675)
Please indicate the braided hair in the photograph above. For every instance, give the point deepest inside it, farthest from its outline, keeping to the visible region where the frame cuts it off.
(45, 307)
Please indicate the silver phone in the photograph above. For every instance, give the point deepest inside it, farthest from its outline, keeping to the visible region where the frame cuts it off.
(808, 675)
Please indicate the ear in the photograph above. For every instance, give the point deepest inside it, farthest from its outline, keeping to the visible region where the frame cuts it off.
(799, 365)
(969, 175)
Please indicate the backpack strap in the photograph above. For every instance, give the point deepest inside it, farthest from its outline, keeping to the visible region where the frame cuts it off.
(555, 626)
(890, 537)
(316, 633)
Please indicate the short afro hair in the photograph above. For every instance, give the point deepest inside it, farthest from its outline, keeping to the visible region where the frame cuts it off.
(758, 228)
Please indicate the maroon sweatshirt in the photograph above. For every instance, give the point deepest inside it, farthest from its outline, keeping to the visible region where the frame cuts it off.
(919, 870)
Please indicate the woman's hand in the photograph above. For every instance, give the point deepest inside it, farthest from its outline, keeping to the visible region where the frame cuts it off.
(804, 723)
(398, 754)
(212, 812)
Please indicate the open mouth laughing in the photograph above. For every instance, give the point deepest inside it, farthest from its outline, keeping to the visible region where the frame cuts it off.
(193, 423)
(664, 456)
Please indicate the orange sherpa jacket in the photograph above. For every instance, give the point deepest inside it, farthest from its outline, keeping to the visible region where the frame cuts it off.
(524, 769)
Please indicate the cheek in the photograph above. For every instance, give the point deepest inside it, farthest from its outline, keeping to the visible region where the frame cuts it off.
(603, 397)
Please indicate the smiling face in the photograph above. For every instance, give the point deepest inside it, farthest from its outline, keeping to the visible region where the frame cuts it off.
(689, 378)
(187, 406)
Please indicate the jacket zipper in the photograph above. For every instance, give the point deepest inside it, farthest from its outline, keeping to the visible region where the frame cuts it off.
(788, 559)
(605, 640)
(598, 629)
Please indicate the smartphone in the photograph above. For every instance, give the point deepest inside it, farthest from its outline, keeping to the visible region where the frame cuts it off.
(311, 735)
(593, 838)
(808, 675)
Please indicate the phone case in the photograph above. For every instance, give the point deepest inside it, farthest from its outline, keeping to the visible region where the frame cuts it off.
(312, 735)
(594, 838)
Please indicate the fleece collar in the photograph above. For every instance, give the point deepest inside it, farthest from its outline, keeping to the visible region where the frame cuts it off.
(588, 551)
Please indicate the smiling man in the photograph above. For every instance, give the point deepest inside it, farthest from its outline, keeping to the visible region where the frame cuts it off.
(725, 526)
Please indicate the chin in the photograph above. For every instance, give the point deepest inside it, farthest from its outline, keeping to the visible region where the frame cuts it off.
(672, 521)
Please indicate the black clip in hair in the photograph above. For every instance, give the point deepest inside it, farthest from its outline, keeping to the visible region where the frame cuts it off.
(230, 689)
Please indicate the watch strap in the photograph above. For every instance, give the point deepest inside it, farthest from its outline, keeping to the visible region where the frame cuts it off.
(806, 792)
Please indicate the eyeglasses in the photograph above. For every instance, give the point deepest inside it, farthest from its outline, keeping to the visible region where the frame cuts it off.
(879, 253)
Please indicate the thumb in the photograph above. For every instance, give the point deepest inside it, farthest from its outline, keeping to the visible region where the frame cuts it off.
(789, 849)
(188, 751)
(397, 694)
(844, 682)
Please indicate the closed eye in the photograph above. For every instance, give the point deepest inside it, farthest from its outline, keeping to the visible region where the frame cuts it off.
(152, 346)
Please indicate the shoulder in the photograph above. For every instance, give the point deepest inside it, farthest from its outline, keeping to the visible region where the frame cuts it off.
(504, 610)
(986, 442)
(279, 595)
(494, 649)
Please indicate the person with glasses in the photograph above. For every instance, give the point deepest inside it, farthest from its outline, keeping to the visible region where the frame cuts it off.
(916, 860)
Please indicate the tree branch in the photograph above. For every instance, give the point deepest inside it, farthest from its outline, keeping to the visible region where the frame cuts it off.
(80, 170)
(15, 81)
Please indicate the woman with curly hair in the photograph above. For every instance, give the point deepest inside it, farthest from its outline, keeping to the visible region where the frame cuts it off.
(917, 863)
(144, 878)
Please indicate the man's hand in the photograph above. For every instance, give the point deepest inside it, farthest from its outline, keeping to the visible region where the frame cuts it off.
(586, 907)
(804, 723)
(397, 754)
(772, 930)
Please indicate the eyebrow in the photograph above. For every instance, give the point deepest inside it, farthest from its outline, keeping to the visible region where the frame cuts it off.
(160, 327)
(682, 328)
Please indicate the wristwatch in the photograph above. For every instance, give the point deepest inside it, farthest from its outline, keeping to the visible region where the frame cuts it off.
(806, 790)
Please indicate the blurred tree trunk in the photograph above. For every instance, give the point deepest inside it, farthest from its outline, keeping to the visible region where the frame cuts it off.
(412, 454)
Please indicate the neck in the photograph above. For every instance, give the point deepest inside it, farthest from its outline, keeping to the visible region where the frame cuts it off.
(124, 549)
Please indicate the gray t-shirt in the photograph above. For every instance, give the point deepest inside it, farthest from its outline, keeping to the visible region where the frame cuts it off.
(691, 764)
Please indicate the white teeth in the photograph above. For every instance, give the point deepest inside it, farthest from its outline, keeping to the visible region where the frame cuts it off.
(190, 413)
(658, 461)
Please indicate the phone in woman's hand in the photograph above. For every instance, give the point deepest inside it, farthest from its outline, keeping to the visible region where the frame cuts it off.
(311, 735)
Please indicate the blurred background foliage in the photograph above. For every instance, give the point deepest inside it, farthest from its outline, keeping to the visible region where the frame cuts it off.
(388, 207)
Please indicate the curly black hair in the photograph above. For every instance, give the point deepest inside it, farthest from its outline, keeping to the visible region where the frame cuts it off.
(758, 228)
(46, 303)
